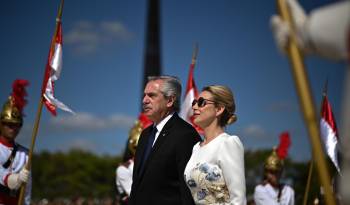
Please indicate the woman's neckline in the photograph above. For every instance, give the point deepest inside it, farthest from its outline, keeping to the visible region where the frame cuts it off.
(201, 144)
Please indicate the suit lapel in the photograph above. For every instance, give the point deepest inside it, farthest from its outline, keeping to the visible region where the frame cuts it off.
(160, 140)
(163, 135)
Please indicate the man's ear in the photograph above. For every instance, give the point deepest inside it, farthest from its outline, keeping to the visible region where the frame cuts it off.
(171, 101)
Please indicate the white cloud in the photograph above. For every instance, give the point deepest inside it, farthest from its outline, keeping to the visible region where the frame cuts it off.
(88, 122)
(255, 131)
(115, 30)
(90, 145)
(87, 37)
(84, 131)
(79, 123)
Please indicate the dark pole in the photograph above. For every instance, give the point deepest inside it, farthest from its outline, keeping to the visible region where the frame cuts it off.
(152, 56)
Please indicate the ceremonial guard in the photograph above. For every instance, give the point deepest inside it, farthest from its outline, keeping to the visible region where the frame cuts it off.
(13, 156)
(271, 191)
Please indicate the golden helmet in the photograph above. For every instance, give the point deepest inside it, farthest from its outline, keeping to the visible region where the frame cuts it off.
(10, 113)
(134, 135)
(273, 162)
(12, 109)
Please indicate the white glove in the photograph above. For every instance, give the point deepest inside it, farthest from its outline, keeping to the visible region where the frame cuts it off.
(281, 29)
(24, 175)
(14, 181)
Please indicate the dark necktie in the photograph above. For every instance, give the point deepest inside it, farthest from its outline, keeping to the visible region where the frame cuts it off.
(148, 149)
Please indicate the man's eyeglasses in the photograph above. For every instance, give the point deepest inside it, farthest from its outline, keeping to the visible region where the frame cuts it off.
(201, 102)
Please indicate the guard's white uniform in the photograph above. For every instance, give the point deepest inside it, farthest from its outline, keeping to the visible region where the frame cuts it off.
(268, 195)
(124, 178)
(7, 196)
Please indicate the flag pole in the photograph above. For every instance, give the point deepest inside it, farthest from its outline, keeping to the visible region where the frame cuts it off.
(195, 53)
(307, 104)
(309, 177)
(38, 114)
(311, 166)
(191, 92)
(325, 89)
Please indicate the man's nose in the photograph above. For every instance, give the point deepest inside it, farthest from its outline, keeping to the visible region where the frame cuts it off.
(145, 99)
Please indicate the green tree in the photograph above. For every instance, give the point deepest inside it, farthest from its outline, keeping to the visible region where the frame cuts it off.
(81, 173)
(77, 173)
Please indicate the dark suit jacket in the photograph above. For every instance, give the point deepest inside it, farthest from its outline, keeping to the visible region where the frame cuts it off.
(162, 181)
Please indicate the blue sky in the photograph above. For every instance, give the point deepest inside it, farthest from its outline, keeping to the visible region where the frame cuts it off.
(103, 48)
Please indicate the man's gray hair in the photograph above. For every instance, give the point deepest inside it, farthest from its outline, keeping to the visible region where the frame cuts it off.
(171, 87)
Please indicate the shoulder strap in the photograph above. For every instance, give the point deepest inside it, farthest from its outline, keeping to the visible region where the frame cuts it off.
(11, 157)
(280, 188)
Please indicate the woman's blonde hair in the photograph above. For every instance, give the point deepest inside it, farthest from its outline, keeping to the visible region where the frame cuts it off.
(222, 95)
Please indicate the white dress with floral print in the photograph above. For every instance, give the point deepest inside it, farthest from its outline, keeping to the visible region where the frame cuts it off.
(215, 171)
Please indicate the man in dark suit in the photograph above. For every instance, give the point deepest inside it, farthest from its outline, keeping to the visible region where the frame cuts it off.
(163, 148)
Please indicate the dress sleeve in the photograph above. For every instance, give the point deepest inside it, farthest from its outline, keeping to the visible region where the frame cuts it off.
(231, 161)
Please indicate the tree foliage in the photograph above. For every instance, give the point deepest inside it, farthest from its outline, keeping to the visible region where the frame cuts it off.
(80, 173)
(77, 173)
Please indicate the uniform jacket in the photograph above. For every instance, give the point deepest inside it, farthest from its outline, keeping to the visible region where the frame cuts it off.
(15, 166)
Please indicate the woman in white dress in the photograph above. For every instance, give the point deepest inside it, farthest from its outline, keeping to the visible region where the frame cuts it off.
(215, 171)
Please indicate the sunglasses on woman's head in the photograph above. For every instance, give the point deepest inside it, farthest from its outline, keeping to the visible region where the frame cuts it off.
(201, 102)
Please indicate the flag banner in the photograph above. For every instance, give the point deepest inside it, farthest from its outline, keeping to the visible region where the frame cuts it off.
(52, 73)
(191, 93)
(329, 131)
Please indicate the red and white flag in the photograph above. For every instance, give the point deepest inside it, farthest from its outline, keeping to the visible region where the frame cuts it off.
(52, 73)
(191, 93)
(329, 132)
